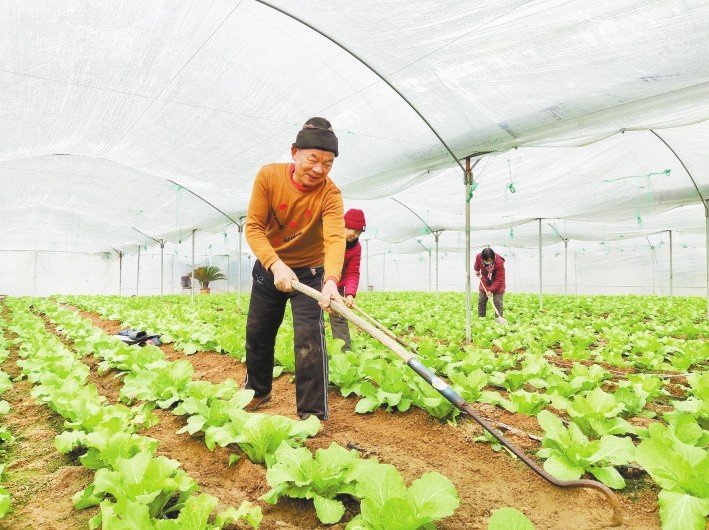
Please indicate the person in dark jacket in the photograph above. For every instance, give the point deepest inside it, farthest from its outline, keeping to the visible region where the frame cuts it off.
(347, 286)
(490, 268)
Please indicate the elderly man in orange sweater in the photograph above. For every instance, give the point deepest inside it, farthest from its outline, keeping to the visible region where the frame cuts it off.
(295, 227)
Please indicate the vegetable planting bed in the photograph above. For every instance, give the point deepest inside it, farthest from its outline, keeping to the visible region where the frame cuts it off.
(42, 482)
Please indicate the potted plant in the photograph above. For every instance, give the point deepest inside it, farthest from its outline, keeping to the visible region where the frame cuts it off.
(207, 274)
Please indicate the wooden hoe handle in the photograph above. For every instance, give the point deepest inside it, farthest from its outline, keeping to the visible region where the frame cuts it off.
(389, 340)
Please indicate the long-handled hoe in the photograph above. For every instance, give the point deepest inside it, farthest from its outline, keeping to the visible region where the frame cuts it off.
(399, 347)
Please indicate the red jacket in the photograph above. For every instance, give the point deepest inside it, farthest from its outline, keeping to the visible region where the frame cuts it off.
(494, 279)
(350, 271)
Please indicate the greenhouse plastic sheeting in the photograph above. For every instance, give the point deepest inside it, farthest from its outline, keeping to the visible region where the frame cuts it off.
(135, 124)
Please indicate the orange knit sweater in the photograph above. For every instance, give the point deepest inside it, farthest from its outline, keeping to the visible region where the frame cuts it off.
(302, 228)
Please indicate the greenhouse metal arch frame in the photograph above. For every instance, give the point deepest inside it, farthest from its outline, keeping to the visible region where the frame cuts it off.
(196, 111)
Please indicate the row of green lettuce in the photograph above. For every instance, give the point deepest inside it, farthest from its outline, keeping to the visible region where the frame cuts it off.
(131, 486)
(217, 411)
(605, 411)
(6, 437)
(647, 333)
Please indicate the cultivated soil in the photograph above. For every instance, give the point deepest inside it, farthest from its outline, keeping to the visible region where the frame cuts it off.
(42, 482)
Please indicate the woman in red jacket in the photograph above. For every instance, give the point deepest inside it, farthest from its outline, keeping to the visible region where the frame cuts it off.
(354, 226)
(490, 268)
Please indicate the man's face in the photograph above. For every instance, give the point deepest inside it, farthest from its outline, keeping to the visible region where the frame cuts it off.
(311, 166)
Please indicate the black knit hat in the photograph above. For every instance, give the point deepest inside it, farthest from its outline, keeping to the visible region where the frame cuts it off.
(317, 133)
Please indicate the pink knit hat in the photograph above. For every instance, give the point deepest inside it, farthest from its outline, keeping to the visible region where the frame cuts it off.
(354, 219)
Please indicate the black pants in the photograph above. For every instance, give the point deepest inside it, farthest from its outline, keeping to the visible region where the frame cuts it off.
(266, 309)
(482, 302)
